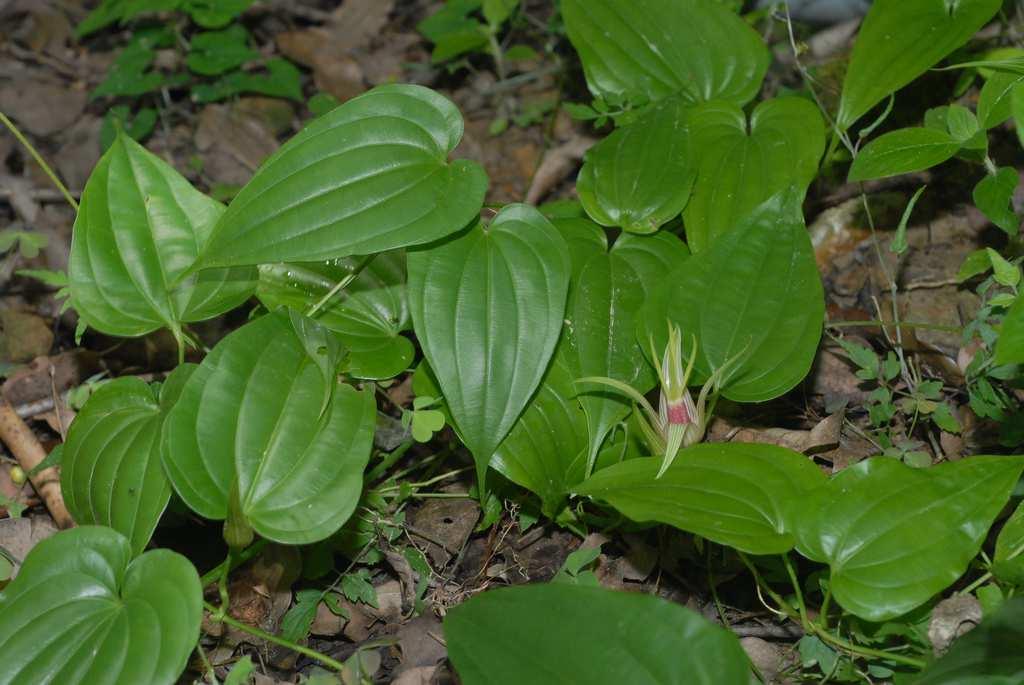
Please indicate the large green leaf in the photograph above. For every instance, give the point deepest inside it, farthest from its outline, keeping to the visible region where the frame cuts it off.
(894, 535)
(140, 226)
(369, 176)
(640, 176)
(83, 612)
(368, 315)
(995, 101)
(753, 300)
(657, 48)
(265, 414)
(990, 654)
(902, 152)
(110, 472)
(562, 633)
(487, 307)
(1010, 346)
(899, 41)
(734, 494)
(607, 293)
(1008, 560)
(739, 167)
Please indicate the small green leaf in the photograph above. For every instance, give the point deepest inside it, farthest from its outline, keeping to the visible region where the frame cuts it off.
(1010, 346)
(215, 52)
(901, 152)
(899, 240)
(213, 14)
(497, 11)
(988, 655)
(894, 536)
(83, 611)
(861, 355)
(356, 587)
(517, 635)
(944, 418)
(241, 672)
(734, 494)
(296, 622)
(426, 422)
(1003, 271)
(282, 79)
(974, 264)
(1008, 561)
(994, 197)
(961, 123)
(453, 31)
(995, 101)
(118, 118)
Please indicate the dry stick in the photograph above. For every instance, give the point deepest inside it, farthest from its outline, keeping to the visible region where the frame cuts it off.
(26, 449)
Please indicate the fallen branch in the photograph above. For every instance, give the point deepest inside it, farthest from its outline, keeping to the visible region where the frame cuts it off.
(26, 449)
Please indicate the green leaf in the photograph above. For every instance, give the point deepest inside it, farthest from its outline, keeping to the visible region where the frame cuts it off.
(944, 418)
(82, 611)
(253, 416)
(734, 494)
(901, 152)
(129, 75)
(900, 40)
(213, 14)
(1010, 346)
(369, 176)
(214, 52)
(138, 128)
(138, 230)
(1008, 561)
(518, 635)
(988, 655)
(368, 315)
(453, 31)
(739, 167)
(241, 671)
(282, 79)
(659, 48)
(1004, 272)
(995, 101)
(993, 196)
(894, 536)
(110, 472)
(898, 245)
(497, 11)
(487, 307)
(961, 123)
(296, 622)
(357, 588)
(753, 300)
(640, 176)
(974, 264)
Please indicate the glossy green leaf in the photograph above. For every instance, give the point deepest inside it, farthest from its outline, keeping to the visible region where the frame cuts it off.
(214, 52)
(734, 494)
(658, 48)
(640, 176)
(1008, 560)
(900, 40)
(487, 307)
(140, 226)
(1010, 346)
(993, 195)
(995, 101)
(895, 535)
(111, 473)
(901, 152)
(740, 167)
(990, 654)
(82, 611)
(265, 413)
(753, 300)
(368, 176)
(368, 315)
(518, 635)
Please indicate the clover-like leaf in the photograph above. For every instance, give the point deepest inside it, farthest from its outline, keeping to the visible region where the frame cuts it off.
(487, 308)
(640, 176)
(902, 152)
(83, 611)
(139, 229)
(518, 635)
(741, 166)
(928, 30)
(265, 415)
(368, 176)
(753, 301)
(734, 494)
(895, 535)
(659, 48)
(368, 315)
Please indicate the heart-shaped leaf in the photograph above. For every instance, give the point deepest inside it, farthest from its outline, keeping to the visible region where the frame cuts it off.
(140, 226)
(640, 176)
(902, 152)
(988, 655)
(368, 176)
(110, 472)
(734, 494)
(1010, 346)
(518, 635)
(368, 315)
(658, 48)
(928, 30)
(894, 535)
(739, 167)
(264, 414)
(753, 300)
(487, 307)
(82, 611)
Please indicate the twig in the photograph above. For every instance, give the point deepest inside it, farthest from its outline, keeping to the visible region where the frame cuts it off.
(26, 449)
(16, 132)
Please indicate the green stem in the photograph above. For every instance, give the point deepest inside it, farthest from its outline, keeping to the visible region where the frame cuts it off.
(795, 582)
(232, 562)
(39, 160)
(904, 324)
(341, 285)
(270, 637)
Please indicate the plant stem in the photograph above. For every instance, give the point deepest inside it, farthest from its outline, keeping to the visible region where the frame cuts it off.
(232, 562)
(903, 324)
(270, 637)
(39, 160)
(341, 285)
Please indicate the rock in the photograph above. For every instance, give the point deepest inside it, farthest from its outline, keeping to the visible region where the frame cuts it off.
(952, 618)
(765, 656)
